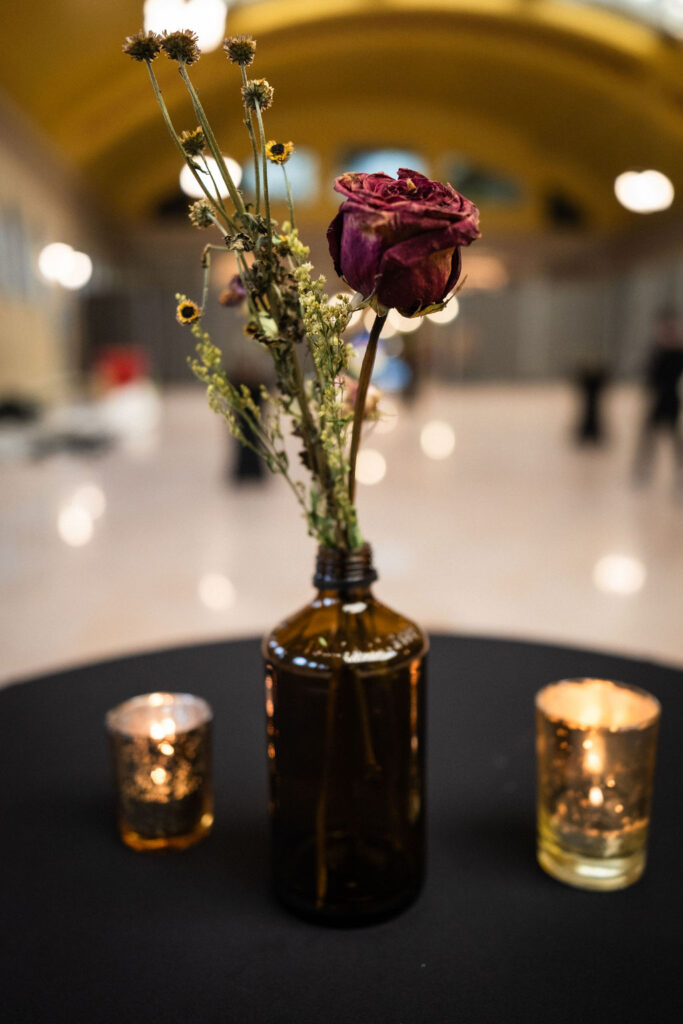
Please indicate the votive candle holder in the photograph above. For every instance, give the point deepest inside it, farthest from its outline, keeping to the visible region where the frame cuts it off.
(596, 742)
(161, 752)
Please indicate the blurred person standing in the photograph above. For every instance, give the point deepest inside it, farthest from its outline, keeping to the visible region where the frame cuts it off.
(592, 377)
(663, 375)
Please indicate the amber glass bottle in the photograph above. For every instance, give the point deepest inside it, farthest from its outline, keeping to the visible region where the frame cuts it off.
(345, 705)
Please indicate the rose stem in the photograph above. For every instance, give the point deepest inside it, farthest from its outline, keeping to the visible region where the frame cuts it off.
(359, 407)
(321, 809)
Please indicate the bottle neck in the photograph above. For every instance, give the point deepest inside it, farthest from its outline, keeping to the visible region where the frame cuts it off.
(341, 570)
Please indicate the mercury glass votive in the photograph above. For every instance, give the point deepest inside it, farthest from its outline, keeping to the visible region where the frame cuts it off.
(595, 743)
(161, 751)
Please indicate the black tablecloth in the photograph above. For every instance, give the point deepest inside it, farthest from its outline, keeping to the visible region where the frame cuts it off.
(96, 933)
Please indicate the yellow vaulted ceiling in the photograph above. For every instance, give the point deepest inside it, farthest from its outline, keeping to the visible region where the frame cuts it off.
(559, 96)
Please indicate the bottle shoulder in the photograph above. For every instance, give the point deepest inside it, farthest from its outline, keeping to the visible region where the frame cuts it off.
(361, 632)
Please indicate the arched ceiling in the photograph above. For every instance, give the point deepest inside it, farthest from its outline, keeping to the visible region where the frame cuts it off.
(561, 97)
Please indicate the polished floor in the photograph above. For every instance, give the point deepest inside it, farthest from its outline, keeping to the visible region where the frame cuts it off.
(511, 531)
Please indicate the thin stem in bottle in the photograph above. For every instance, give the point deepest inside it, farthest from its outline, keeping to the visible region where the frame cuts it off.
(321, 810)
(359, 407)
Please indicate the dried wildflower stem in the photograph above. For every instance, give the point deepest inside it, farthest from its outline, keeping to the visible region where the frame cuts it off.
(250, 128)
(266, 197)
(207, 170)
(359, 407)
(290, 204)
(174, 135)
(315, 452)
(211, 140)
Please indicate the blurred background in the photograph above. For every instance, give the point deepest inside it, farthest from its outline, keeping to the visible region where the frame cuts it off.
(526, 476)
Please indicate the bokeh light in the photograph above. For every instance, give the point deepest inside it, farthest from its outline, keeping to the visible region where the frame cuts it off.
(437, 439)
(619, 574)
(191, 187)
(404, 324)
(75, 525)
(216, 592)
(447, 314)
(644, 191)
(371, 467)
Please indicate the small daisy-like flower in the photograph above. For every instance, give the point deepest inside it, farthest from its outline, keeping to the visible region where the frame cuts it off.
(258, 91)
(279, 152)
(187, 312)
(234, 294)
(142, 46)
(200, 214)
(181, 46)
(193, 142)
(240, 50)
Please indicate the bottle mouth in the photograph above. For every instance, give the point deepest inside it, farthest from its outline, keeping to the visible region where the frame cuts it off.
(337, 569)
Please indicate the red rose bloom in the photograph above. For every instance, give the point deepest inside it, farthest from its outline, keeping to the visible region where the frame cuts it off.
(399, 240)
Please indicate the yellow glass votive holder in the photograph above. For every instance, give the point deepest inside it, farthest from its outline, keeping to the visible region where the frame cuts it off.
(161, 751)
(595, 743)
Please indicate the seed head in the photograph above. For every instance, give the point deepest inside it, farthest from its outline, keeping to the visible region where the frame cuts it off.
(258, 91)
(200, 214)
(181, 46)
(193, 142)
(240, 50)
(142, 46)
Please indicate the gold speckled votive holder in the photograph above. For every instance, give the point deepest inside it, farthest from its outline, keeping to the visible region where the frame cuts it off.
(595, 742)
(161, 752)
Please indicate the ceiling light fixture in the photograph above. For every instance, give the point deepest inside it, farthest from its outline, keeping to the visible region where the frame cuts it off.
(205, 17)
(212, 179)
(60, 264)
(644, 191)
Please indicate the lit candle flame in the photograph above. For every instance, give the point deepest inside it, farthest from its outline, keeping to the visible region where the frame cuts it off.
(159, 730)
(593, 760)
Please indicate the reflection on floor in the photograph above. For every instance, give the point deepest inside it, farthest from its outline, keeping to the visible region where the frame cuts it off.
(511, 531)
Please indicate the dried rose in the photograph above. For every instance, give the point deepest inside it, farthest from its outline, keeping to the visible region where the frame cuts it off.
(399, 240)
